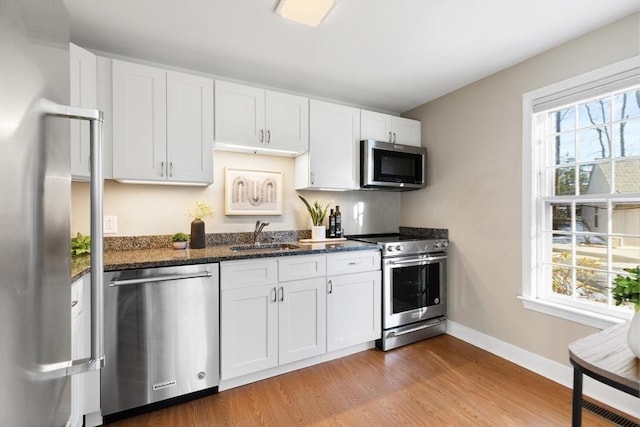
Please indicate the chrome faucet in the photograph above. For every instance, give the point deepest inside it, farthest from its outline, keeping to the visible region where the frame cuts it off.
(256, 232)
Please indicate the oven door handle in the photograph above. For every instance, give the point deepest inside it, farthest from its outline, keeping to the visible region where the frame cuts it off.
(417, 328)
(419, 261)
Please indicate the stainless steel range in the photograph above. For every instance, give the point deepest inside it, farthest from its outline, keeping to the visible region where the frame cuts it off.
(414, 287)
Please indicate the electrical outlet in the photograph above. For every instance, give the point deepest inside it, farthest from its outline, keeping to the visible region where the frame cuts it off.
(110, 224)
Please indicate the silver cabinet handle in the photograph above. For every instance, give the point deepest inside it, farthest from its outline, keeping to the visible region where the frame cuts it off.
(74, 303)
(268, 137)
(274, 294)
(281, 294)
(162, 169)
(116, 282)
(312, 178)
(394, 137)
(96, 359)
(170, 169)
(330, 287)
(354, 263)
(390, 137)
(261, 135)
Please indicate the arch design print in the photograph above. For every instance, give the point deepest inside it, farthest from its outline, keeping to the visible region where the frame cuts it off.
(253, 192)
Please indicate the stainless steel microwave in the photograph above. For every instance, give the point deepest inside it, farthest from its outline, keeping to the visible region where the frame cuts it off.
(392, 167)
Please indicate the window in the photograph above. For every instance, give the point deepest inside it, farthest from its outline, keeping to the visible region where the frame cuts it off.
(582, 191)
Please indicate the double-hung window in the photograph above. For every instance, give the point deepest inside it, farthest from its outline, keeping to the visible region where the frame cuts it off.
(581, 186)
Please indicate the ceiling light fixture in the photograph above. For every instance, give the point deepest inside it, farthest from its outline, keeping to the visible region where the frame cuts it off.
(308, 12)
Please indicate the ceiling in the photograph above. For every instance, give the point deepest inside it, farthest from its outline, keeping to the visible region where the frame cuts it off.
(386, 55)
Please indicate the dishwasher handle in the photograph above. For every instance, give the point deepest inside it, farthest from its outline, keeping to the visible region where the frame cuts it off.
(116, 282)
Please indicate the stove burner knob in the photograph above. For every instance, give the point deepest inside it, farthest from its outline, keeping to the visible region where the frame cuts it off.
(389, 248)
(398, 248)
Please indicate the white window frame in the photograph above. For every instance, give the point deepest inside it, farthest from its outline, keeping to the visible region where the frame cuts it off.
(555, 95)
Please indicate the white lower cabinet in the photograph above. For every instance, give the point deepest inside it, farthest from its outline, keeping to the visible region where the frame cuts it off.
(249, 330)
(77, 342)
(266, 323)
(278, 311)
(302, 320)
(353, 309)
(85, 387)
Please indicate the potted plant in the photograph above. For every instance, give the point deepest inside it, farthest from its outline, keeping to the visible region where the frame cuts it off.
(199, 211)
(317, 214)
(626, 289)
(80, 245)
(179, 240)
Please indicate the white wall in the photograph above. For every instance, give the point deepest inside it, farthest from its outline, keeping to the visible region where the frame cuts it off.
(474, 140)
(160, 209)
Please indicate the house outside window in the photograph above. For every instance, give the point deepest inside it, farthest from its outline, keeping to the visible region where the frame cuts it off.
(581, 189)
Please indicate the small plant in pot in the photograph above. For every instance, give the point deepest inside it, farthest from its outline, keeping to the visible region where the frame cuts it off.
(179, 240)
(626, 289)
(317, 214)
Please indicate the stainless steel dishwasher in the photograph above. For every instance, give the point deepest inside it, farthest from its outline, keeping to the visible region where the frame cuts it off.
(161, 330)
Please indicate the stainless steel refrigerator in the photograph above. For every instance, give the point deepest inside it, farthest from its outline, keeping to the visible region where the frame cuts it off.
(35, 192)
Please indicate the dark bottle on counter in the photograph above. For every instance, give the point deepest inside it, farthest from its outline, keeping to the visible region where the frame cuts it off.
(338, 221)
(332, 224)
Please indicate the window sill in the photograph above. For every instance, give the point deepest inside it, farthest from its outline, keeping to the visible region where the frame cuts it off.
(577, 315)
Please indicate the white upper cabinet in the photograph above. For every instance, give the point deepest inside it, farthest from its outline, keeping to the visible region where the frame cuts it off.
(189, 128)
(387, 128)
(83, 93)
(162, 125)
(260, 120)
(332, 161)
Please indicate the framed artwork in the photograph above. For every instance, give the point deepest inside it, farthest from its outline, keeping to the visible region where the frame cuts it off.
(251, 192)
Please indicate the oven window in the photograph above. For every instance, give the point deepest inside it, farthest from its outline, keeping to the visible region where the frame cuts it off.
(415, 287)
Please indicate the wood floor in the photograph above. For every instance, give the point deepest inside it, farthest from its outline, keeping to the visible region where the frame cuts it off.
(438, 382)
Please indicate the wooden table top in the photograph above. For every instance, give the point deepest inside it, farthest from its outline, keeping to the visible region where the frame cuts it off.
(607, 354)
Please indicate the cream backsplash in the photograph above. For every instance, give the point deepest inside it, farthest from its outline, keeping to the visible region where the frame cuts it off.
(160, 209)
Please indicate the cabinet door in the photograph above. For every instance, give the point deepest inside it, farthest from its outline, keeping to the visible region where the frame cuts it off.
(77, 332)
(239, 117)
(302, 317)
(248, 330)
(334, 135)
(375, 126)
(287, 122)
(189, 128)
(139, 122)
(353, 309)
(407, 131)
(83, 93)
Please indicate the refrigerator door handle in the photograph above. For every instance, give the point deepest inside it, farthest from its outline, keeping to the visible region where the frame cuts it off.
(96, 360)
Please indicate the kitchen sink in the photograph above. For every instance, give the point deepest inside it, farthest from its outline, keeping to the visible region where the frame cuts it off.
(265, 247)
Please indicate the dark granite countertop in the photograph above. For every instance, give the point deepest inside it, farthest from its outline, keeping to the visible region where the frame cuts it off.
(148, 258)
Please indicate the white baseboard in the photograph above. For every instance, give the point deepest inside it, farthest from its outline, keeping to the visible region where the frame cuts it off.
(550, 369)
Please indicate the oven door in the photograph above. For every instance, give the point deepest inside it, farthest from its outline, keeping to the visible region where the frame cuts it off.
(414, 289)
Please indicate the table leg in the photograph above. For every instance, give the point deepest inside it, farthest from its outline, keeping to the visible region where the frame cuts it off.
(576, 417)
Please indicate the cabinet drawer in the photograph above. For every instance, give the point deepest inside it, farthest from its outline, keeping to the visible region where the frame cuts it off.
(240, 274)
(352, 262)
(302, 267)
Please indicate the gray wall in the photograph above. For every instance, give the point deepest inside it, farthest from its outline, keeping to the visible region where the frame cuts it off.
(474, 139)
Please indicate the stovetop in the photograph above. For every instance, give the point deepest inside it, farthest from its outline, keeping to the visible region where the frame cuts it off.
(403, 245)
